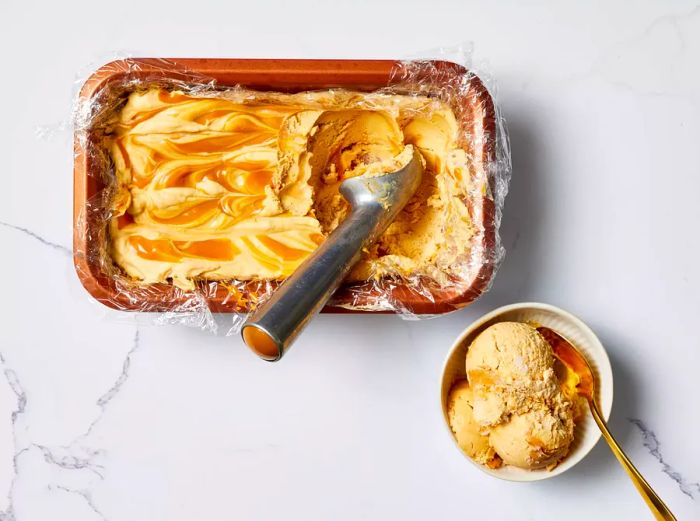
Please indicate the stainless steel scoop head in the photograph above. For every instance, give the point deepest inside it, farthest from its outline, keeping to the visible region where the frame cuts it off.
(375, 202)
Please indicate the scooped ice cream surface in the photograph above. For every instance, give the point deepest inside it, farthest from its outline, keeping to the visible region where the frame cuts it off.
(466, 430)
(517, 401)
(244, 185)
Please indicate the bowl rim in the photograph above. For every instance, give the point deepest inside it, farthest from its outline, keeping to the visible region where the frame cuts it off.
(568, 462)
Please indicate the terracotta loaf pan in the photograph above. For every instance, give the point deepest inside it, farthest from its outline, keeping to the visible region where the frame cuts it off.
(474, 109)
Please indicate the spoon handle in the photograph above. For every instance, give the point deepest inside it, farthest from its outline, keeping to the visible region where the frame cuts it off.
(654, 502)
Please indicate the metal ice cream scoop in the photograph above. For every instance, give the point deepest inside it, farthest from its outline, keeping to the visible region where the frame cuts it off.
(375, 202)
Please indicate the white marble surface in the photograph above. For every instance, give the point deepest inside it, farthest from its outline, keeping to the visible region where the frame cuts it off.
(105, 419)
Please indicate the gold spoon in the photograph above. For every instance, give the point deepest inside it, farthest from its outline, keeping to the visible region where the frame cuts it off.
(576, 362)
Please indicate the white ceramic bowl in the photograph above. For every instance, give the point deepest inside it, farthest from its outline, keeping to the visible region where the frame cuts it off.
(586, 433)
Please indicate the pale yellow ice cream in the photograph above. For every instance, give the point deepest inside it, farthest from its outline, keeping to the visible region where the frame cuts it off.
(244, 185)
(518, 403)
(465, 429)
(534, 439)
(510, 367)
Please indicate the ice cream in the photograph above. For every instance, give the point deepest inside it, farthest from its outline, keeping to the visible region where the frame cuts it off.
(244, 185)
(518, 404)
(465, 428)
(534, 439)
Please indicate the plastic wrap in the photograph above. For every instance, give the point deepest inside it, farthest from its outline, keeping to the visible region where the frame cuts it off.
(417, 294)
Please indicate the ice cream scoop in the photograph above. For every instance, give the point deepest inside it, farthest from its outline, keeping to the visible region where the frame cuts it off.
(466, 430)
(375, 200)
(577, 363)
(517, 398)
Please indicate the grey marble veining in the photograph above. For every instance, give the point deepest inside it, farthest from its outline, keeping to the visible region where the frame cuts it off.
(651, 442)
(114, 419)
(42, 240)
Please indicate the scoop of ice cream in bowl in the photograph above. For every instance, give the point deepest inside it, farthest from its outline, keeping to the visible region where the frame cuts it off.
(510, 405)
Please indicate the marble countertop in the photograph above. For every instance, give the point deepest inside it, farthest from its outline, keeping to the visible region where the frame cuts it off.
(105, 417)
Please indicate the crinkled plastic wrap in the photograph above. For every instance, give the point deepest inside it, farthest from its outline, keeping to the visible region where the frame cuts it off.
(449, 283)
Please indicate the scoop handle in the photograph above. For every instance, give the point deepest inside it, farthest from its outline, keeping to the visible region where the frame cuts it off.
(653, 501)
(276, 323)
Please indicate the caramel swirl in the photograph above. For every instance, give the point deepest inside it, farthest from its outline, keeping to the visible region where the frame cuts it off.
(242, 185)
